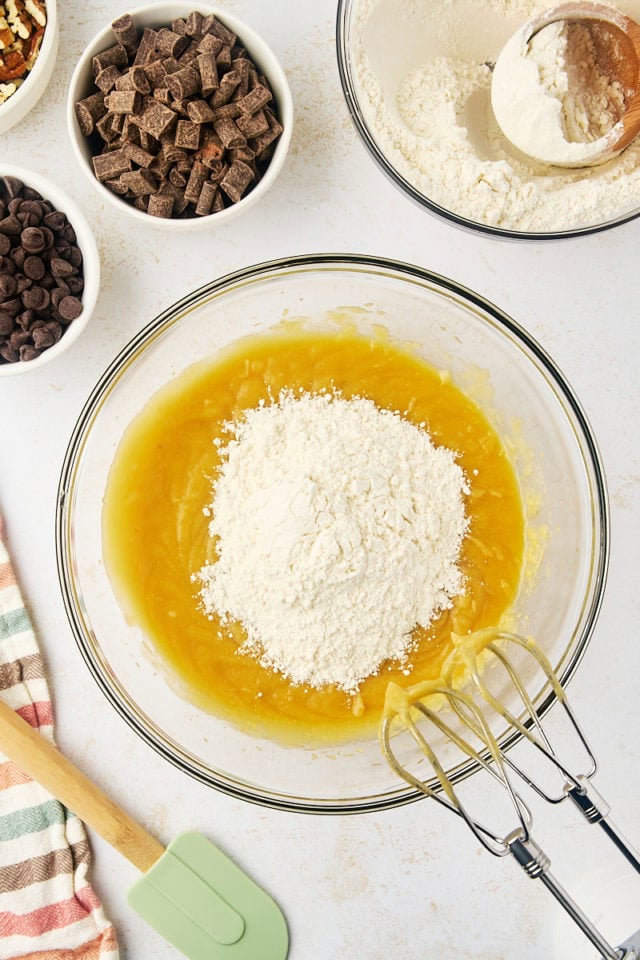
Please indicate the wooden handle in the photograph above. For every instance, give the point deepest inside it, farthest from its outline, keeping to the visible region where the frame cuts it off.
(45, 764)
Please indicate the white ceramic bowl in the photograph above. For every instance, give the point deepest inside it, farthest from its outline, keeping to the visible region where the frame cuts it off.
(85, 240)
(161, 14)
(26, 96)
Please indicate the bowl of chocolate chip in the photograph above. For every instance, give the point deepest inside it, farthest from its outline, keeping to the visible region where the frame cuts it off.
(180, 116)
(49, 270)
(28, 51)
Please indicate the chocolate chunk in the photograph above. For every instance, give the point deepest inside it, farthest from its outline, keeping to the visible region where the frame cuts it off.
(105, 128)
(171, 44)
(210, 44)
(110, 165)
(237, 179)
(255, 100)
(142, 157)
(139, 182)
(89, 111)
(160, 206)
(115, 56)
(200, 112)
(140, 80)
(123, 101)
(223, 59)
(155, 119)
(206, 198)
(120, 189)
(219, 30)
(185, 83)
(193, 24)
(179, 26)
(187, 135)
(125, 32)
(155, 73)
(225, 91)
(189, 54)
(208, 68)
(253, 125)
(197, 178)
(146, 49)
(106, 79)
(229, 133)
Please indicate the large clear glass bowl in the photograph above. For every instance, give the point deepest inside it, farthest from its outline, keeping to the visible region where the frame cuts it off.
(487, 353)
(399, 44)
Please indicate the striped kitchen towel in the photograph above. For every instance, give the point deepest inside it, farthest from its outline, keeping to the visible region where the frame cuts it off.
(48, 910)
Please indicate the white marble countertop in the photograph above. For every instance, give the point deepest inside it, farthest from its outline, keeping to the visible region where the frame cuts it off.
(411, 882)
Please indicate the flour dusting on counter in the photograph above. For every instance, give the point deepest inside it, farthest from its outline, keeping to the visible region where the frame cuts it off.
(338, 529)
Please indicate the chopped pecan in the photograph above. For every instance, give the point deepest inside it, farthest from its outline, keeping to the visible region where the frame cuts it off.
(12, 66)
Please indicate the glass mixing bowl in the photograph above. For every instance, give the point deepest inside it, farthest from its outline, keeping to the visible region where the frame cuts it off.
(488, 354)
(396, 40)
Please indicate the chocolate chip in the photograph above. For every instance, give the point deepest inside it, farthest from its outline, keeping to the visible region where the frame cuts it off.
(18, 338)
(5, 244)
(55, 221)
(43, 338)
(33, 267)
(29, 352)
(8, 353)
(26, 318)
(32, 239)
(6, 323)
(60, 268)
(36, 298)
(7, 287)
(11, 226)
(69, 308)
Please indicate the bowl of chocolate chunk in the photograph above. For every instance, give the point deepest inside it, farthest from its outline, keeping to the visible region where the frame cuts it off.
(49, 270)
(28, 51)
(179, 115)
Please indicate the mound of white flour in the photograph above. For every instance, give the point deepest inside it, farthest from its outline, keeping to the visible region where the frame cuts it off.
(338, 529)
(423, 78)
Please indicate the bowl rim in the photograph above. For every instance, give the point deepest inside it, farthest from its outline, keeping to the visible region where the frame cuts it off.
(48, 51)
(282, 93)
(91, 262)
(351, 98)
(238, 788)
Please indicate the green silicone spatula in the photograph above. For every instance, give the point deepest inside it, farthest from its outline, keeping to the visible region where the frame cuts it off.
(190, 892)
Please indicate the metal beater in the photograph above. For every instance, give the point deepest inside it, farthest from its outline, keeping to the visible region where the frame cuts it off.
(417, 709)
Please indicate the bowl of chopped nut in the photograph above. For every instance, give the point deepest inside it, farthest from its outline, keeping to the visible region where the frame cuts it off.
(49, 270)
(28, 51)
(180, 117)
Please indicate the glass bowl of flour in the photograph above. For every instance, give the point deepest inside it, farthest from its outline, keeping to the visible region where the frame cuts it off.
(484, 353)
(417, 75)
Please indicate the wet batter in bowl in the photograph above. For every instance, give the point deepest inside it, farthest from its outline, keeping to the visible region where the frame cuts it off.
(156, 528)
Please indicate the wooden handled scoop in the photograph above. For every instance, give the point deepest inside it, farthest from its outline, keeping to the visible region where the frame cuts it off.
(191, 893)
(616, 42)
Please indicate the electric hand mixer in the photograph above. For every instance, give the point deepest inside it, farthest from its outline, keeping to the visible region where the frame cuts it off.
(484, 653)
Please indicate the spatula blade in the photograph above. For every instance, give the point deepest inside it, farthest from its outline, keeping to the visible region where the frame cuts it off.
(207, 907)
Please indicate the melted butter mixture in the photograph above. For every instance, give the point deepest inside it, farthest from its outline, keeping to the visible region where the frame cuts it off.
(156, 536)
